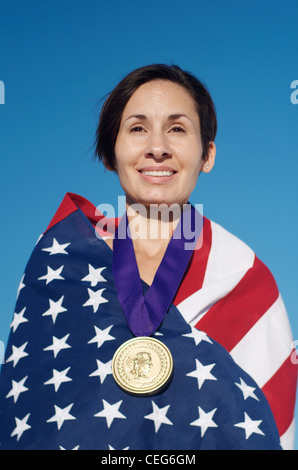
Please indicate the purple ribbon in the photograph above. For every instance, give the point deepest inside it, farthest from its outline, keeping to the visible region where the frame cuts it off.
(144, 313)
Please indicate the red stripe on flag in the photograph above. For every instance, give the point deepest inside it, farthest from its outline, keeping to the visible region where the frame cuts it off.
(194, 277)
(232, 317)
(66, 208)
(280, 392)
(72, 202)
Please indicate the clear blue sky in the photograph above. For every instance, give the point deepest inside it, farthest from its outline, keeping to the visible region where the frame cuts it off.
(58, 58)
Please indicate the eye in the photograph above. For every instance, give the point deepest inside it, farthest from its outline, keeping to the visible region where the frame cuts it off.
(137, 129)
(177, 129)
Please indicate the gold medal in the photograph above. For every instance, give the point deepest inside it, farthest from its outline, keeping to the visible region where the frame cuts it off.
(142, 366)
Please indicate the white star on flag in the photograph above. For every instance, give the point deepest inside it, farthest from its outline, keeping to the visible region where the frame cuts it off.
(246, 390)
(95, 299)
(21, 426)
(56, 248)
(18, 318)
(102, 370)
(198, 336)
(52, 274)
(110, 412)
(21, 286)
(55, 308)
(250, 426)
(205, 420)
(202, 373)
(158, 415)
(17, 354)
(101, 336)
(112, 448)
(61, 415)
(58, 378)
(58, 345)
(17, 388)
(94, 275)
(74, 448)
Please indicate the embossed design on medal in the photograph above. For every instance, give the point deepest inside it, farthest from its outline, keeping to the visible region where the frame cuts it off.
(142, 366)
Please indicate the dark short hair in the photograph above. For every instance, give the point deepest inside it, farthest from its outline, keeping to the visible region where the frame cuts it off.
(113, 107)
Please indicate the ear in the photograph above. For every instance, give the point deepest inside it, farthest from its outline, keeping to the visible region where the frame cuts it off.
(210, 160)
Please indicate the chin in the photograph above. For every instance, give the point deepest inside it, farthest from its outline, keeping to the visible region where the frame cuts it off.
(159, 198)
(158, 201)
(148, 198)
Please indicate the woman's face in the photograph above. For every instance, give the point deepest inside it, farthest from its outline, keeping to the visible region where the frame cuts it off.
(158, 149)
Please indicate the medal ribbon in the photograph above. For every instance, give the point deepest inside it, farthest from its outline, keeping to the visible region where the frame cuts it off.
(144, 313)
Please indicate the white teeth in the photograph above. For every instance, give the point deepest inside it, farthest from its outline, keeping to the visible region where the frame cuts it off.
(158, 173)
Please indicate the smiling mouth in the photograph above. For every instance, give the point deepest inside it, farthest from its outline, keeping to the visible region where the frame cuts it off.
(157, 173)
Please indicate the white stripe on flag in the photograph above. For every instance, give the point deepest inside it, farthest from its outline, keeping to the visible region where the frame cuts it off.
(229, 257)
(229, 260)
(265, 347)
(287, 440)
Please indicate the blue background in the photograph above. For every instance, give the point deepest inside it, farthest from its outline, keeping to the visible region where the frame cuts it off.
(59, 58)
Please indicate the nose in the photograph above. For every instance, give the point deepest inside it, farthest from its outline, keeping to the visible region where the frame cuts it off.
(157, 147)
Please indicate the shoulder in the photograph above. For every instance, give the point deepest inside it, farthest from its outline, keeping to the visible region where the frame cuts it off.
(228, 254)
(238, 275)
(74, 202)
(220, 266)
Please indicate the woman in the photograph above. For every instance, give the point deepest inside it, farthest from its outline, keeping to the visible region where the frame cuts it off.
(123, 340)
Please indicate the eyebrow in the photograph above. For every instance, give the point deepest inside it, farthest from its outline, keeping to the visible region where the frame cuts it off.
(171, 117)
(142, 117)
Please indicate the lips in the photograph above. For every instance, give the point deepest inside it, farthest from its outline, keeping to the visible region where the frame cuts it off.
(157, 171)
(157, 175)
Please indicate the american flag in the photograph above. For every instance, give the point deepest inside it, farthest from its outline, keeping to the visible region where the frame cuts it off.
(232, 296)
(56, 387)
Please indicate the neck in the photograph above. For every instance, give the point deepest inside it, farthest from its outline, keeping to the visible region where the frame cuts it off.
(151, 227)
